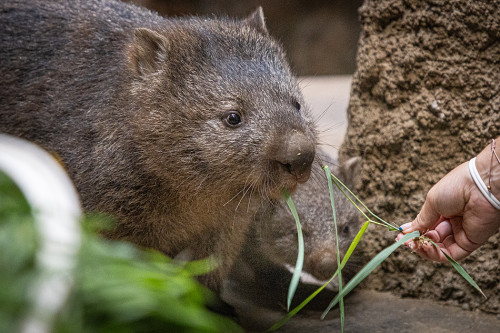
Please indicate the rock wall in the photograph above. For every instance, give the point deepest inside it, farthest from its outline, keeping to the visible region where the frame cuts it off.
(425, 98)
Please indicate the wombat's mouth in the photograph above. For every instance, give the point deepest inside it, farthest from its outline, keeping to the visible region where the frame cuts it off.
(286, 177)
(277, 193)
(300, 174)
(286, 183)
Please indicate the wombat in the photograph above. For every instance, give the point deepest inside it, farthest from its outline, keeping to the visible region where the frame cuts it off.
(179, 128)
(271, 245)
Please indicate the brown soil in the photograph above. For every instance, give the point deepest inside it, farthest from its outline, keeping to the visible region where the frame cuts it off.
(424, 99)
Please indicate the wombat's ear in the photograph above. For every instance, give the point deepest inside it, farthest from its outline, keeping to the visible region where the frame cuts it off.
(148, 50)
(256, 20)
(349, 171)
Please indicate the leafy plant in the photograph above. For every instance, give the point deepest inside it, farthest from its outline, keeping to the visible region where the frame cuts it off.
(18, 243)
(118, 287)
(368, 268)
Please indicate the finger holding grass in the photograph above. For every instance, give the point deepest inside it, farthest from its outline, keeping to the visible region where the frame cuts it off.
(443, 236)
(457, 215)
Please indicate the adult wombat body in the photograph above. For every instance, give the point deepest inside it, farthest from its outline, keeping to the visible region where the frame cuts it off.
(272, 241)
(179, 128)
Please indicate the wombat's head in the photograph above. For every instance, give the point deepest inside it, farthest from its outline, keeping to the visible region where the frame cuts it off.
(218, 107)
(277, 233)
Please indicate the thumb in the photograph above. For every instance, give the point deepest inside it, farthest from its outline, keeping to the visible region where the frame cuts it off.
(425, 220)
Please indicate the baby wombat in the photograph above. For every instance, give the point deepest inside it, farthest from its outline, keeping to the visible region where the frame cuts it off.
(272, 241)
(180, 128)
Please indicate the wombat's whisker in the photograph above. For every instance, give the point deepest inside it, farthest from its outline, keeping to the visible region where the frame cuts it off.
(318, 179)
(248, 187)
(199, 187)
(359, 151)
(302, 84)
(253, 186)
(327, 128)
(327, 159)
(186, 181)
(317, 119)
(190, 183)
(227, 202)
(268, 185)
(263, 194)
(266, 194)
(322, 143)
(239, 192)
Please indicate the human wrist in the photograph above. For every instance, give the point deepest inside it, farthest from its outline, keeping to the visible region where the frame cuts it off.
(488, 168)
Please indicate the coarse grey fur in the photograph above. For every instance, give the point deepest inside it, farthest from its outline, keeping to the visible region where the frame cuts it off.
(141, 111)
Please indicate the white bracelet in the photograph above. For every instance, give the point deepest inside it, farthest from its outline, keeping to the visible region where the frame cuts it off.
(481, 185)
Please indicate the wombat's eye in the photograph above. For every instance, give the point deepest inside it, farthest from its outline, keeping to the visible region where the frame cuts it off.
(232, 119)
(297, 105)
(346, 229)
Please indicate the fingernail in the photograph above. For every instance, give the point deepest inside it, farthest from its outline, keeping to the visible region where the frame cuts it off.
(405, 227)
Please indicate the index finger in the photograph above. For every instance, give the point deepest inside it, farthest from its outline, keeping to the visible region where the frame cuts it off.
(426, 219)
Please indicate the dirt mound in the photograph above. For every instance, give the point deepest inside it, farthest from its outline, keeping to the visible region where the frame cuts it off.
(424, 99)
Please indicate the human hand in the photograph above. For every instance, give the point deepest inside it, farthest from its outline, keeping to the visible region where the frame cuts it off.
(456, 216)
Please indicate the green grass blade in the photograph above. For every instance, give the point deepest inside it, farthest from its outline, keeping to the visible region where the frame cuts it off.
(354, 243)
(341, 185)
(299, 307)
(292, 313)
(349, 198)
(464, 274)
(459, 269)
(365, 271)
(300, 256)
(339, 271)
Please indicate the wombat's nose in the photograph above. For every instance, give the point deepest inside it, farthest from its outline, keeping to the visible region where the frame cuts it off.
(325, 268)
(297, 156)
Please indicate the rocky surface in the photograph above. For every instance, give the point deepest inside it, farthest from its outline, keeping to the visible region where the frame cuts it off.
(424, 99)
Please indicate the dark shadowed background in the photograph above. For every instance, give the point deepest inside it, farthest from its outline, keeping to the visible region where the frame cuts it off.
(319, 36)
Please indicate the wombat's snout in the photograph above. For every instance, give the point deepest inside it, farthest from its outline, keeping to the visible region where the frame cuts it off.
(325, 267)
(297, 156)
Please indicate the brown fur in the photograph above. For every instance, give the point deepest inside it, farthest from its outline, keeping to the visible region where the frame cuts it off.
(137, 107)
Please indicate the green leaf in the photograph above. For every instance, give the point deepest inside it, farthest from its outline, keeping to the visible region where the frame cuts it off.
(459, 269)
(300, 256)
(339, 271)
(292, 313)
(365, 271)
(464, 274)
